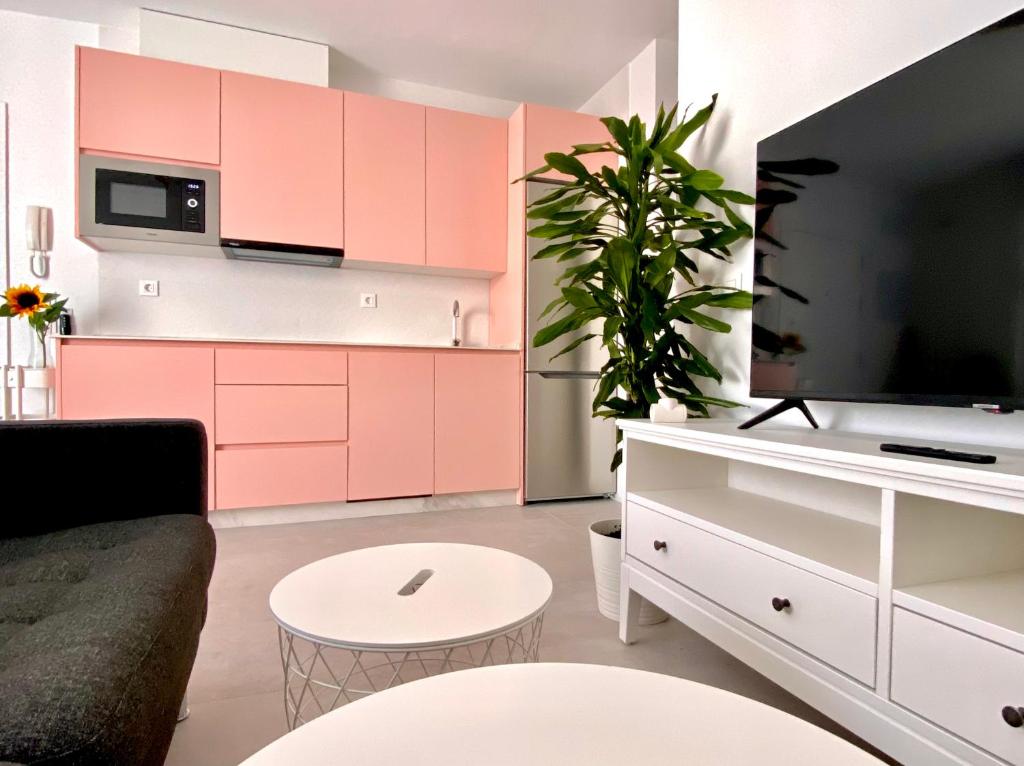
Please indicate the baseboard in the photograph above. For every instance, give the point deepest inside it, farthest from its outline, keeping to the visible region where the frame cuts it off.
(294, 514)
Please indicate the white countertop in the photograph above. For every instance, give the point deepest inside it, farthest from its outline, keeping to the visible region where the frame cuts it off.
(287, 341)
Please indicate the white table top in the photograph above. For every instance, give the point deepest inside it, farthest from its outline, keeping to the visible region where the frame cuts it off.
(559, 714)
(352, 601)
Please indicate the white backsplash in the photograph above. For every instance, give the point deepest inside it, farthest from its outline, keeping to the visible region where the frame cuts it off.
(218, 298)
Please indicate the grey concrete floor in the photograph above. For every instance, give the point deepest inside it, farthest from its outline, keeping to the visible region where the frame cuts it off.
(235, 691)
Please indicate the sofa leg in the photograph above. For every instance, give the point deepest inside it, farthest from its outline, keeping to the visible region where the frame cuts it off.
(183, 711)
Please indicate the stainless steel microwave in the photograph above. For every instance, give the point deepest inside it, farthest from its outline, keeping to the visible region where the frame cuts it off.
(123, 204)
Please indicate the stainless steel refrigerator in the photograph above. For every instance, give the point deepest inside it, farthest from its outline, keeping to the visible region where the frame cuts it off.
(568, 451)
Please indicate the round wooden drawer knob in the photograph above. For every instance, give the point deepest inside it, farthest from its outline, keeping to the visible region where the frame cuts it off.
(1014, 716)
(660, 545)
(778, 604)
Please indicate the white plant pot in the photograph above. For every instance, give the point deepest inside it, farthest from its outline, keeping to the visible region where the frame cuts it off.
(606, 554)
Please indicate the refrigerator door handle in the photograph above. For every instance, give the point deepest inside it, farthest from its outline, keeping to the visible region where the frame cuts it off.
(569, 375)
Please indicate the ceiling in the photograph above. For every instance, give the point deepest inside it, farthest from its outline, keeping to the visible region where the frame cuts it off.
(556, 52)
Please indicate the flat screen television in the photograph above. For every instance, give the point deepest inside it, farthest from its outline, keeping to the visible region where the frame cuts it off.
(889, 260)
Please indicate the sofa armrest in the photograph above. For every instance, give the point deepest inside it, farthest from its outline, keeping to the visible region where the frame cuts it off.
(69, 473)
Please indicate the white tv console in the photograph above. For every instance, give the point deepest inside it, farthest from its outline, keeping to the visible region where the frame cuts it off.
(885, 590)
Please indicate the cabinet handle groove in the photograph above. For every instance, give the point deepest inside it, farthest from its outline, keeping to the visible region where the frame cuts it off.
(778, 604)
(660, 545)
(1014, 716)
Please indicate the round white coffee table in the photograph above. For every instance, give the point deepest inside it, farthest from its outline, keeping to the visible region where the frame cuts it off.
(354, 624)
(550, 713)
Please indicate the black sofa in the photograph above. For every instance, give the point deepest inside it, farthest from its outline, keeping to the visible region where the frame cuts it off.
(105, 559)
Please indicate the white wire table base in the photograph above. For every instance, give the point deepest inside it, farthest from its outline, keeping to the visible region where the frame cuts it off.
(319, 677)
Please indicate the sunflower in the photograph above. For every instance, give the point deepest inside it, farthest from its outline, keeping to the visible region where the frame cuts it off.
(24, 301)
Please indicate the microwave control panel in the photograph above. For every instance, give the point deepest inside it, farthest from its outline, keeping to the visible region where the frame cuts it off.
(193, 194)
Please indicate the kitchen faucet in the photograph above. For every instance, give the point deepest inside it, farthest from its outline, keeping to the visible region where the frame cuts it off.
(455, 324)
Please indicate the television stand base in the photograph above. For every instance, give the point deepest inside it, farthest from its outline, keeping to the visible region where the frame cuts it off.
(778, 409)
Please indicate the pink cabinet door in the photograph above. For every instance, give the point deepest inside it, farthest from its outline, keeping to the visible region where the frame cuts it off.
(253, 477)
(281, 161)
(299, 366)
(557, 130)
(150, 107)
(467, 191)
(384, 167)
(281, 414)
(391, 424)
(476, 422)
(137, 381)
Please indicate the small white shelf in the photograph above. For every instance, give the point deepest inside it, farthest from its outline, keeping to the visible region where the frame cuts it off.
(991, 605)
(838, 548)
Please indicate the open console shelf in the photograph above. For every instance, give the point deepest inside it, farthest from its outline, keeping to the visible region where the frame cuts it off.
(818, 541)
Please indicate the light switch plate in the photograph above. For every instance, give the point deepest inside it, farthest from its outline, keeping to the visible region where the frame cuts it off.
(149, 287)
(368, 300)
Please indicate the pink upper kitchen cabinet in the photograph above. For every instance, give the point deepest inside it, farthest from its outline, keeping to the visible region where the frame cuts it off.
(148, 107)
(281, 161)
(467, 191)
(476, 422)
(391, 424)
(384, 165)
(127, 380)
(557, 130)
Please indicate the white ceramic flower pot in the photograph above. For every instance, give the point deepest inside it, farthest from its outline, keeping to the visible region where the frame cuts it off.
(606, 554)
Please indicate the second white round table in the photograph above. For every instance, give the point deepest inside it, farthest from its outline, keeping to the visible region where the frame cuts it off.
(550, 713)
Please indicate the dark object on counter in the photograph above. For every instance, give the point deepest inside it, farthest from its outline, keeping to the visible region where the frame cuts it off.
(64, 325)
(103, 595)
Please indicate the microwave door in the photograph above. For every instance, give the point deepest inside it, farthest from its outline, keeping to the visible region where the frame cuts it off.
(139, 200)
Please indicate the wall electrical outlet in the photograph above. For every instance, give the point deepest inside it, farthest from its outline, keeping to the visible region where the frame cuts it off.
(368, 300)
(149, 287)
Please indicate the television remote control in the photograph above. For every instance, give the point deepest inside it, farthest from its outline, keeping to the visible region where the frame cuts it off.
(942, 454)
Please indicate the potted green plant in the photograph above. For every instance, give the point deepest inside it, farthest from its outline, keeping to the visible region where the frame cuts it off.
(632, 238)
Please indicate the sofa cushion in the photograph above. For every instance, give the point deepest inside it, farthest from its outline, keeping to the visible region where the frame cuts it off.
(91, 622)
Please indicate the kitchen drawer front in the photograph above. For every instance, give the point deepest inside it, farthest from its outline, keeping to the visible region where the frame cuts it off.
(281, 414)
(958, 681)
(314, 366)
(250, 477)
(827, 620)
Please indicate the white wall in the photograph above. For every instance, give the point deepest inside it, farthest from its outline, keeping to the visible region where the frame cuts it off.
(37, 82)
(193, 41)
(347, 74)
(774, 62)
(215, 297)
(641, 86)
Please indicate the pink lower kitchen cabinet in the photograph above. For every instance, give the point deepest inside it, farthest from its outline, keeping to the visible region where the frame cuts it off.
(257, 476)
(289, 424)
(138, 381)
(476, 422)
(391, 424)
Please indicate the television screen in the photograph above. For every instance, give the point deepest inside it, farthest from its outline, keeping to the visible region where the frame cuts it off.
(890, 237)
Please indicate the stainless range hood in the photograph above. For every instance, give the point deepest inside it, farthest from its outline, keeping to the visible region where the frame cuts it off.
(279, 252)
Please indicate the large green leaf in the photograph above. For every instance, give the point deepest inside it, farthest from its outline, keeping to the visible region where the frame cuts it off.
(621, 262)
(704, 180)
(564, 163)
(687, 128)
(703, 320)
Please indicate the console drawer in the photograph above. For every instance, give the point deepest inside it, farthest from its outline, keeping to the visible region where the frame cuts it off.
(833, 623)
(251, 477)
(958, 681)
(280, 414)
